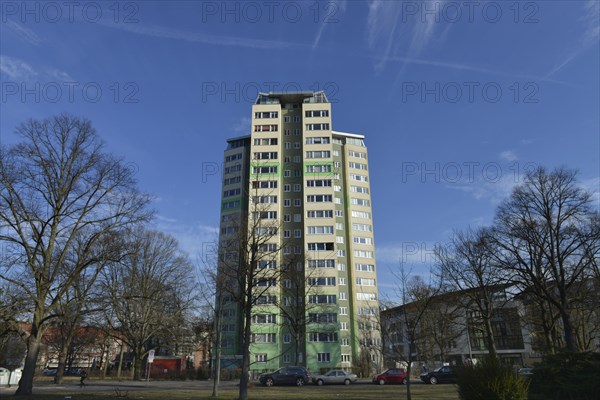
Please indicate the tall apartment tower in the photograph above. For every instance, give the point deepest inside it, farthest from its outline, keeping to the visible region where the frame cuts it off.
(296, 213)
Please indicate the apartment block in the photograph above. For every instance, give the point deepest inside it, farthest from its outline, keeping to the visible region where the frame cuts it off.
(296, 210)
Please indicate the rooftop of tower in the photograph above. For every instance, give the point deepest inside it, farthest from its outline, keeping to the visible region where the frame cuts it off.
(291, 97)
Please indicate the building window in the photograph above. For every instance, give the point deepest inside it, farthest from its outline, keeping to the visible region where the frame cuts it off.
(317, 127)
(327, 337)
(322, 318)
(345, 358)
(324, 357)
(365, 282)
(318, 183)
(321, 263)
(263, 338)
(344, 311)
(297, 202)
(316, 113)
(320, 230)
(319, 169)
(319, 198)
(265, 170)
(322, 299)
(287, 187)
(343, 296)
(264, 319)
(363, 253)
(322, 281)
(360, 202)
(364, 267)
(319, 214)
(362, 240)
(260, 358)
(322, 246)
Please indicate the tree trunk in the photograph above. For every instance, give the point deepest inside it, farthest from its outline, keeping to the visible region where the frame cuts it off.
(60, 370)
(245, 356)
(297, 344)
(120, 361)
(217, 377)
(137, 364)
(489, 335)
(570, 342)
(105, 360)
(33, 348)
(62, 359)
(408, 372)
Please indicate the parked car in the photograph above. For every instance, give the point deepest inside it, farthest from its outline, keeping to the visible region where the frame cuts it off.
(336, 376)
(286, 376)
(525, 372)
(49, 371)
(73, 371)
(443, 374)
(391, 376)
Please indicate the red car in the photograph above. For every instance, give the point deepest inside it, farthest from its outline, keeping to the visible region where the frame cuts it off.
(392, 376)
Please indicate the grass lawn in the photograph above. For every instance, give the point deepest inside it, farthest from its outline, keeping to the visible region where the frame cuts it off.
(357, 392)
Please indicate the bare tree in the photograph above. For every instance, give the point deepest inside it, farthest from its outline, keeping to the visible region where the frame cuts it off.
(148, 292)
(403, 326)
(58, 186)
(12, 344)
(467, 264)
(441, 326)
(249, 268)
(549, 237)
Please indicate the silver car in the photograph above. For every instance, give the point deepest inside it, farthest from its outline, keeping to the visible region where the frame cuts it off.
(336, 376)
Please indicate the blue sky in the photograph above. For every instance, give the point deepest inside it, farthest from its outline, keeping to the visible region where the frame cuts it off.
(456, 99)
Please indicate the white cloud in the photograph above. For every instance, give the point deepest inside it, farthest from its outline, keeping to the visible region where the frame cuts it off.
(590, 21)
(196, 239)
(22, 32)
(198, 37)
(20, 70)
(593, 186)
(16, 68)
(508, 155)
(495, 187)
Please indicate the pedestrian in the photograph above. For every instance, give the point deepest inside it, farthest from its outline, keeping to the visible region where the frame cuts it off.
(82, 375)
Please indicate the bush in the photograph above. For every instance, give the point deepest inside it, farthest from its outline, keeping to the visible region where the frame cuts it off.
(566, 376)
(490, 380)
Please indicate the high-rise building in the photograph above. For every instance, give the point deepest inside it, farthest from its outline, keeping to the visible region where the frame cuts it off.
(297, 231)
